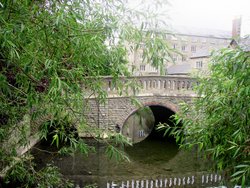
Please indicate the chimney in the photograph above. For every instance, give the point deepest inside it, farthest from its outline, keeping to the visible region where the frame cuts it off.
(236, 27)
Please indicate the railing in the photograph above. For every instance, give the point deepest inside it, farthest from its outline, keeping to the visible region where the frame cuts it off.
(186, 181)
(149, 85)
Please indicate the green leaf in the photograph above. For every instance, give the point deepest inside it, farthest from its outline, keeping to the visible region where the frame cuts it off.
(242, 166)
(56, 140)
(238, 173)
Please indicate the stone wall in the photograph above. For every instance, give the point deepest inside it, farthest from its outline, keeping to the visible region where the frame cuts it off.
(118, 109)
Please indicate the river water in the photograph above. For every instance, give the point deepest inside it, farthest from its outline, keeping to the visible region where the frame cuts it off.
(154, 163)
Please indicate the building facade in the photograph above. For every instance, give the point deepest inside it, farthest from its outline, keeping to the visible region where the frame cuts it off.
(194, 46)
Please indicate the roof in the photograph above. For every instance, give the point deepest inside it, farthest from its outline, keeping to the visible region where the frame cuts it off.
(179, 69)
(193, 31)
(243, 43)
(202, 32)
(201, 53)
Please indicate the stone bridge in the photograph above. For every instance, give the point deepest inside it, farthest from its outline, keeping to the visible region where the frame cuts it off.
(161, 94)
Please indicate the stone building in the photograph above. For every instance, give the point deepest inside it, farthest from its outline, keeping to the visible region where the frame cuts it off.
(194, 46)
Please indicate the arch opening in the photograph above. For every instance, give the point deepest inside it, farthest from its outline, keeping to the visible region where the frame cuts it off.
(162, 115)
(142, 123)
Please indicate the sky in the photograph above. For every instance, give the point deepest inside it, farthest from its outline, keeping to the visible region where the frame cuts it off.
(213, 14)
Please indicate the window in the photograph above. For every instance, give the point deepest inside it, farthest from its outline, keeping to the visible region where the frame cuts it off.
(204, 40)
(184, 39)
(141, 56)
(175, 58)
(142, 67)
(193, 48)
(183, 58)
(153, 69)
(183, 48)
(199, 64)
(213, 41)
(194, 39)
(174, 46)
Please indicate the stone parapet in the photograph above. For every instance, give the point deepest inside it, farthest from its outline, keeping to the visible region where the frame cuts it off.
(148, 86)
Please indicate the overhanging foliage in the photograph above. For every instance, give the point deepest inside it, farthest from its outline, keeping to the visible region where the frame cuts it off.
(48, 51)
(218, 121)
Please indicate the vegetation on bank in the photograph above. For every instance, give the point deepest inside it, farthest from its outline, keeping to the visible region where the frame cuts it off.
(218, 121)
(50, 52)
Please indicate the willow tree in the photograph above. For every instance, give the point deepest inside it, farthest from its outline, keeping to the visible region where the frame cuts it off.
(49, 50)
(217, 122)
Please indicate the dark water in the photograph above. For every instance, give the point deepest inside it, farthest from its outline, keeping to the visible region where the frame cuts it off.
(152, 159)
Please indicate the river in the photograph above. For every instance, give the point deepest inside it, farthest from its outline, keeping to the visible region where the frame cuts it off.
(153, 162)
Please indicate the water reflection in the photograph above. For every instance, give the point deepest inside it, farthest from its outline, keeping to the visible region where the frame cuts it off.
(150, 158)
(152, 151)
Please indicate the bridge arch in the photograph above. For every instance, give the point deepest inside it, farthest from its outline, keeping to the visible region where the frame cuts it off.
(166, 92)
(140, 123)
(171, 106)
